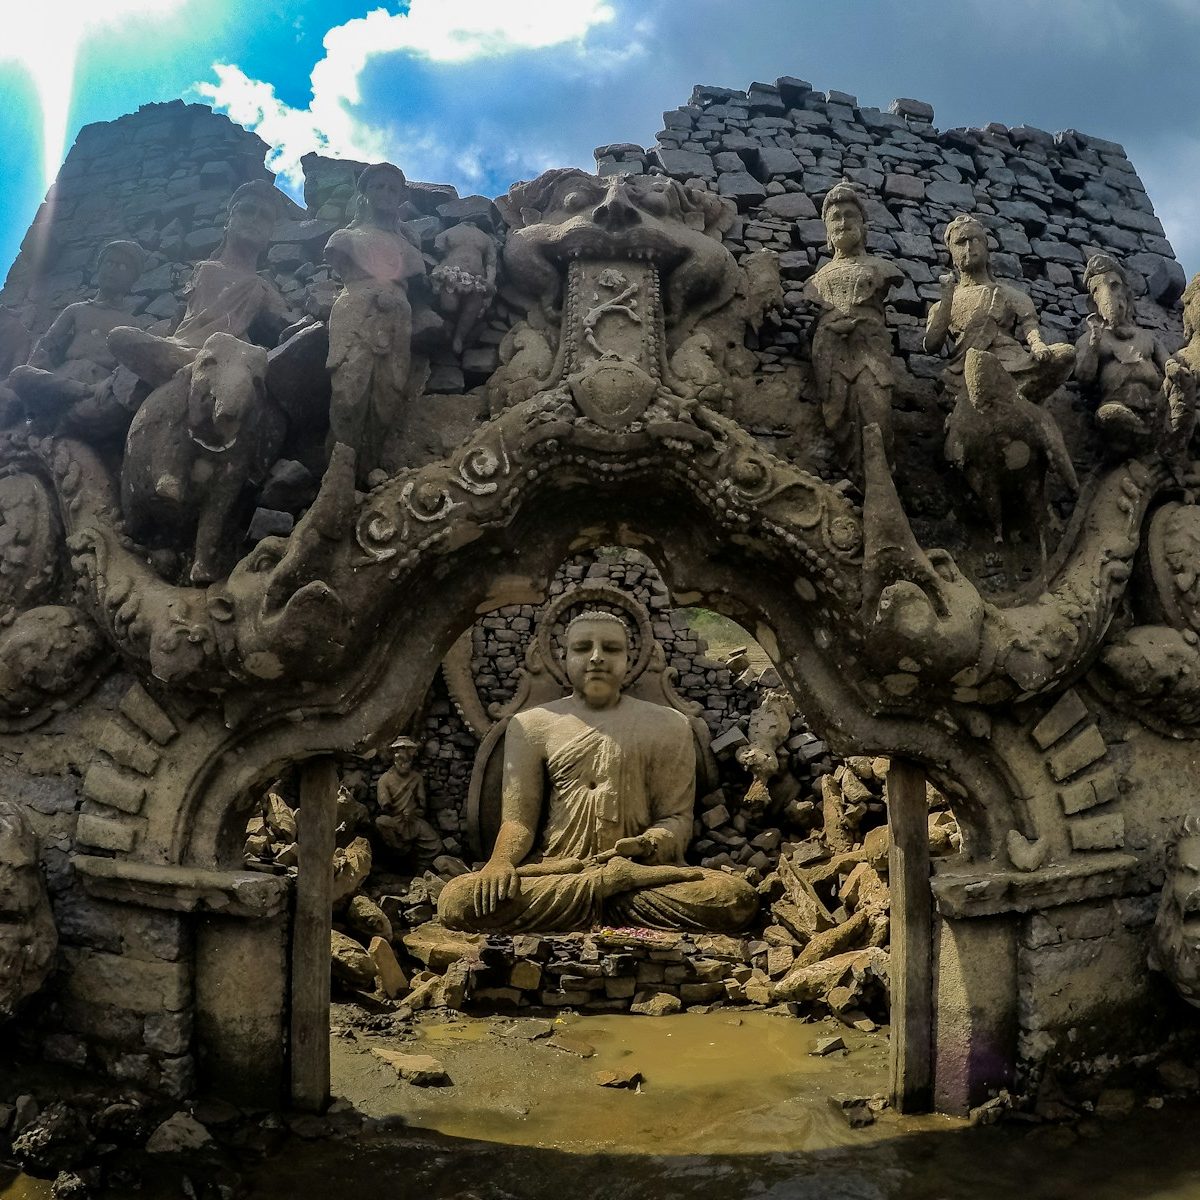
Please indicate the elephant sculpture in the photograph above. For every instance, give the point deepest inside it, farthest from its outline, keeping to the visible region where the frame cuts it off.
(196, 444)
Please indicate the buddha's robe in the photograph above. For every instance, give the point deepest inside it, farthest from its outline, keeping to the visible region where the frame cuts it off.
(609, 774)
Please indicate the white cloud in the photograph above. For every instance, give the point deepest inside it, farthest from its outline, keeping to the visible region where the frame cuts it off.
(434, 31)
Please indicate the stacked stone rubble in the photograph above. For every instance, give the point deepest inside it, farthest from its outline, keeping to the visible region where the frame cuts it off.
(819, 946)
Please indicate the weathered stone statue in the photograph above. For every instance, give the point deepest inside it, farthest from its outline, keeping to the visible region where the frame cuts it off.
(226, 294)
(466, 276)
(1183, 372)
(605, 843)
(71, 365)
(852, 349)
(768, 729)
(28, 938)
(1123, 365)
(1176, 946)
(195, 445)
(370, 327)
(980, 313)
(400, 792)
(1005, 445)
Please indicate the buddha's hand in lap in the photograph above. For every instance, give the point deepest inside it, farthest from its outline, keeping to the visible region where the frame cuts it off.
(495, 884)
(645, 848)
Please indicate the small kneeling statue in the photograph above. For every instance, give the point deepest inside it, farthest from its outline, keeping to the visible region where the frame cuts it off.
(611, 832)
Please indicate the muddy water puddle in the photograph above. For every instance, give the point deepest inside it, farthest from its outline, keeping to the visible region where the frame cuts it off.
(712, 1083)
(24, 1188)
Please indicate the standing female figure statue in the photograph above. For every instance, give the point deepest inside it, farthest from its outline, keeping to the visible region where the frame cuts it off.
(370, 326)
(852, 348)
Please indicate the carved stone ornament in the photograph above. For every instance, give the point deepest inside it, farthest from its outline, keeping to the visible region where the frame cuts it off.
(1176, 946)
(618, 406)
(28, 937)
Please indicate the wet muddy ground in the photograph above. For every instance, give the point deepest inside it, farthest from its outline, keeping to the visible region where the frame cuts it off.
(714, 1083)
(727, 1110)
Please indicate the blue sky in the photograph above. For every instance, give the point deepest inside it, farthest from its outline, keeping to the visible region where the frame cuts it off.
(482, 92)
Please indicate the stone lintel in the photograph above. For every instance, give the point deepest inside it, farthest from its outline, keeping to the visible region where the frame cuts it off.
(990, 893)
(183, 889)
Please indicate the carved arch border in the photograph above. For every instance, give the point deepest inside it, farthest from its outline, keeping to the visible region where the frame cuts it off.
(168, 777)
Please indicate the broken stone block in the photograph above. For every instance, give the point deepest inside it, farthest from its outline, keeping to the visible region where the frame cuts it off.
(350, 962)
(528, 1030)
(837, 940)
(731, 739)
(779, 960)
(837, 833)
(351, 866)
(364, 916)
(827, 1045)
(179, 1134)
(525, 975)
(437, 947)
(422, 1070)
(814, 981)
(855, 1111)
(570, 1044)
(864, 888)
(392, 980)
(269, 522)
(742, 188)
(620, 1079)
(917, 109)
(656, 1004)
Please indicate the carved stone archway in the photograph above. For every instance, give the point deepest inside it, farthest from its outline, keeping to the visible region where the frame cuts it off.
(189, 779)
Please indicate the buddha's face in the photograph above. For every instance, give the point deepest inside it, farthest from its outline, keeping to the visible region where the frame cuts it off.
(597, 659)
(968, 247)
(844, 225)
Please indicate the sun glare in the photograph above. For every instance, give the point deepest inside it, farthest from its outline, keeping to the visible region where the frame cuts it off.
(45, 39)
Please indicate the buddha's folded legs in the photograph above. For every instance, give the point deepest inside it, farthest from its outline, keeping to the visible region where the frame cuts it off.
(708, 902)
(715, 903)
(548, 902)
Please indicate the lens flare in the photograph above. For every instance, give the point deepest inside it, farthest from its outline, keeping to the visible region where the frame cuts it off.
(45, 40)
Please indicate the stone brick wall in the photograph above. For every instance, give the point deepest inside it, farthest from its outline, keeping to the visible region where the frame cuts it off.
(1051, 200)
(121, 999)
(1086, 993)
